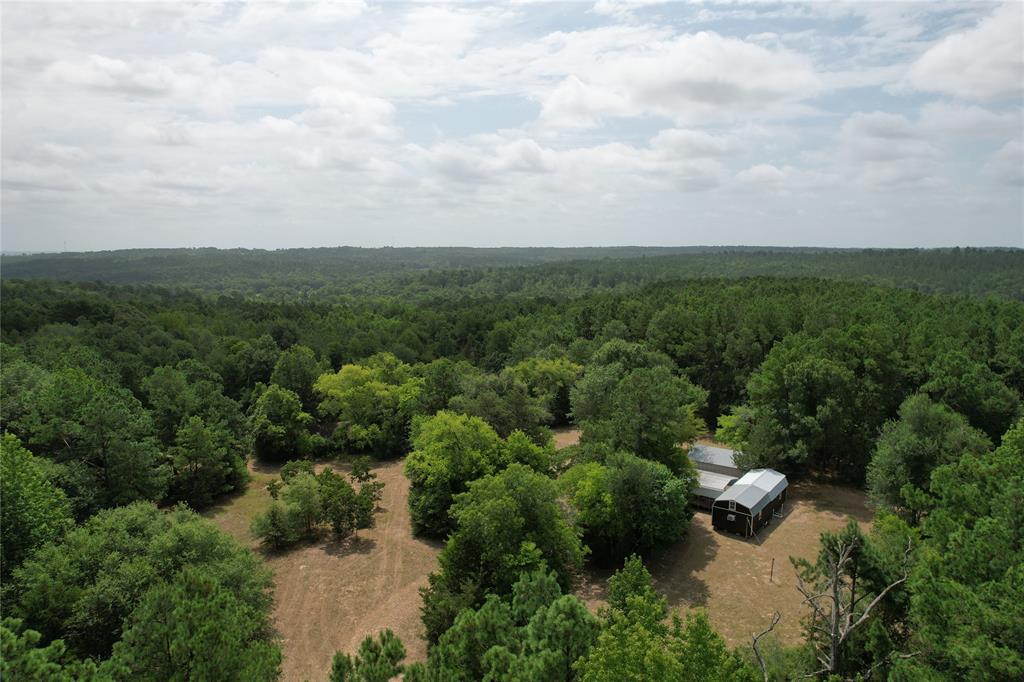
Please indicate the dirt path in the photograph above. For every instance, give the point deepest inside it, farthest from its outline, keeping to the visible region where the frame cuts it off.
(330, 595)
(729, 576)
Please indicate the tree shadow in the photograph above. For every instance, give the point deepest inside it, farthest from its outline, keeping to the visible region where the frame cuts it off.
(354, 544)
(674, 571)
(836, 499)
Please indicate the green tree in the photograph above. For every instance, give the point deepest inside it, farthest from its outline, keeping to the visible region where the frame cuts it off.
(550, 380)
(77, 419)
(628, 504)
(632, 597)
(373, 404)
(926, 436)
(629, 399)
(817, 402)
(195, 628)
(968, 585)
(82, 588)
(279, 425)
(344, 508)
(636, 644)
(297, 369)
(505, 403)
(202, 466)
(302, 497)
(971, 388)
(22, 658)
(449, 451)
(278, 527)
(32, 510)
(535, 636)
(505, 524)
(378, 660)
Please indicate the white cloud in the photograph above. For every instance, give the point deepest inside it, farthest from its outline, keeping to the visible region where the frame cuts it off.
(888, 150)
(985, 62)
(690, 78)
(694, 143)
(969, 120)
(785, 178)
(421, 123)
(1007, 165)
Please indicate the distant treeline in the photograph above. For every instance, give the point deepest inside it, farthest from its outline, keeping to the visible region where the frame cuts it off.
(558, 273)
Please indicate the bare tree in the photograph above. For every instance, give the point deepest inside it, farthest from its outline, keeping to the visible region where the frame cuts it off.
(830, 588)
(755, 639)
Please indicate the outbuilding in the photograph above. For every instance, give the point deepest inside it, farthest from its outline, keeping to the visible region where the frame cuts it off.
(749, 504)
(716, 471)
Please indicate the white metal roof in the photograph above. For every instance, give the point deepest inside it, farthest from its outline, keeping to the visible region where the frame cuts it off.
(709, 454)
(711, 484)
(755, 489)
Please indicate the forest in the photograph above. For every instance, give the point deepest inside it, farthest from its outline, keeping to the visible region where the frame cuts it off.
(140, 388)
(436, 272)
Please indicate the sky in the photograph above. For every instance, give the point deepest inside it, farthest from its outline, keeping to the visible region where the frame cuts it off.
(272, 125)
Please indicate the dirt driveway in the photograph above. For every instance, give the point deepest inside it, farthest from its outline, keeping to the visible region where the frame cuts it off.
(330, 595)
(729, 576)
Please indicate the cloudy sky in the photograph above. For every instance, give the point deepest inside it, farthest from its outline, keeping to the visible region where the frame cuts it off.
(530, 123)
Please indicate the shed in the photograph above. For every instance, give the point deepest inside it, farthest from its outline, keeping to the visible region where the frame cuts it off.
(716, 471)
(748, 505)
(716, 459)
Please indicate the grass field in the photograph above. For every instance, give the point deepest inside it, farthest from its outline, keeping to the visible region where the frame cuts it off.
(732, 576)
(330, 595)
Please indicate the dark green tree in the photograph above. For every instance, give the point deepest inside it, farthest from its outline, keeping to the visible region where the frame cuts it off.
(195, 628)
(279, 425)
(22, 658)
(504, 402)
(32, 510)
(297, 369)
(82, 588)
(926, 436)
(378, 660)
(971, 388)
(505, 524)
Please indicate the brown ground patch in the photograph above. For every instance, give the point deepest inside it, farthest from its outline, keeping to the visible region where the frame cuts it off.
(330, 595)
(729, 576)
(566, 436)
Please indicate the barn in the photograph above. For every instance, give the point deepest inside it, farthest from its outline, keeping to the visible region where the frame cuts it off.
(716, 471)
(749, 504)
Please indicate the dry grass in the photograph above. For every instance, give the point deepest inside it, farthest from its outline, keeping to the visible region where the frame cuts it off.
(566, 436)
(331, 594)
(729, 576)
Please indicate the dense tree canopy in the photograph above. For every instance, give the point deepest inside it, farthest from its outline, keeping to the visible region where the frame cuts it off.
(926, 436)
(628, 504)
(32, 510)
(629, 399)
(156, 394)
(83, 588)
(505, 524)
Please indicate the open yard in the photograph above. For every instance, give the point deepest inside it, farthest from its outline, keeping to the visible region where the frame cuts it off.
(330, 595)
(729, 575)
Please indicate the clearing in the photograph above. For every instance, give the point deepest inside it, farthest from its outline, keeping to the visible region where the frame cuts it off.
(729, 575)
(330, 595)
